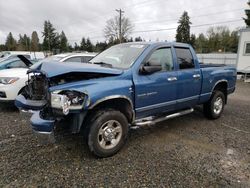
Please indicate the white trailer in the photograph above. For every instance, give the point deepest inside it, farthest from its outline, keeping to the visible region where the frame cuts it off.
(243, 55)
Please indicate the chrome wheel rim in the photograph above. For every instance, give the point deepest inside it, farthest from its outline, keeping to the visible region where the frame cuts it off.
(218, 105)
(109, 135)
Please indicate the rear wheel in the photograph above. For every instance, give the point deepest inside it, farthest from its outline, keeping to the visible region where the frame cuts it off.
(215, 106)
(108, 130)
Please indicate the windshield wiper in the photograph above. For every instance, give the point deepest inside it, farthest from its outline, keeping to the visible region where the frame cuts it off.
(103, 64)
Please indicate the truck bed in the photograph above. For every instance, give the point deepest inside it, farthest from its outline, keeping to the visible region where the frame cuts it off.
(202, 65)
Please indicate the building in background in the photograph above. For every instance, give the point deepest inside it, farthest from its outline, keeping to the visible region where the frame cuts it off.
(243, 56)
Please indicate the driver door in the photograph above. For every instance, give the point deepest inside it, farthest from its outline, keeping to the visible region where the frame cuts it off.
(156, 92)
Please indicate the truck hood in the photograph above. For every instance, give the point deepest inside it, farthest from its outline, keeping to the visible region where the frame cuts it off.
(52, 69)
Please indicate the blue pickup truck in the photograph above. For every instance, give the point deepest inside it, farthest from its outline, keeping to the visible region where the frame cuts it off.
(128, 85)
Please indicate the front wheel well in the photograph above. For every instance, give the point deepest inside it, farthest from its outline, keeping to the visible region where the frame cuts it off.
(121, 104)
(21, 90)
(222, 86)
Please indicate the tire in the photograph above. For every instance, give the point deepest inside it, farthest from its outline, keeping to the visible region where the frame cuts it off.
(215, 106)
(108, 131)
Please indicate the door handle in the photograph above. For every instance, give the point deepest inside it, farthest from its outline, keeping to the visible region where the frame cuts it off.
(170, 79)
(196, 76)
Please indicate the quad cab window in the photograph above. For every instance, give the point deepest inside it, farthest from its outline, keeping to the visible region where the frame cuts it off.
(184, 58)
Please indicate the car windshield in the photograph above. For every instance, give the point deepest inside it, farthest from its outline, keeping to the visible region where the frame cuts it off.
(48, 59)
(13, 63)
(52, 58)
(120, 56)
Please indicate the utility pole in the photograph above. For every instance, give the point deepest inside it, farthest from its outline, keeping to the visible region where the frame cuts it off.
(120, 11)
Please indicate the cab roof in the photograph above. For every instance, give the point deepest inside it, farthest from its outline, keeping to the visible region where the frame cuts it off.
(175, 44)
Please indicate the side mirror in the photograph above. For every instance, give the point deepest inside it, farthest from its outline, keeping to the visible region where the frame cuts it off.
(150, 68)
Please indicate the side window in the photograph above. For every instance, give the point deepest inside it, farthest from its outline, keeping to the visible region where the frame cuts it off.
(184, 58)
(247, 48)
(17, 64)
(162, 56)
(86, 59)
(73, 59)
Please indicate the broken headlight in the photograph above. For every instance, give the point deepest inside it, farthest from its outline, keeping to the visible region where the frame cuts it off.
(67, 100)
(8, 80)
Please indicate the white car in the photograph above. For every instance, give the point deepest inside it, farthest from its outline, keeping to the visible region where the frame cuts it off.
(12, 81)
(71, 57)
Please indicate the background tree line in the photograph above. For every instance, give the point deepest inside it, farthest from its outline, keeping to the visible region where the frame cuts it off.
(216, 39)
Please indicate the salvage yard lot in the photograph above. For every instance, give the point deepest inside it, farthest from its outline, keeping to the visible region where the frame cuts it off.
(186, 151)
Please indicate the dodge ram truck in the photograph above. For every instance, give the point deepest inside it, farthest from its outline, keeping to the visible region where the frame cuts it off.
(126, 86)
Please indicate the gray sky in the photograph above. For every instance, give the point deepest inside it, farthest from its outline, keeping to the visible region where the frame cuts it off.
(78, 18)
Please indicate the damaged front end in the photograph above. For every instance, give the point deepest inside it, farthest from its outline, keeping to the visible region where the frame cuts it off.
(50, 107)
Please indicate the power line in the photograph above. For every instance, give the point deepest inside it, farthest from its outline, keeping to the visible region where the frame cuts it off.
(197, 16)
(191, 17)
(102, 16)
(173, 28)
(169, 29)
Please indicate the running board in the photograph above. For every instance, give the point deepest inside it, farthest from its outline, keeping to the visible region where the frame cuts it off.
(151, 120)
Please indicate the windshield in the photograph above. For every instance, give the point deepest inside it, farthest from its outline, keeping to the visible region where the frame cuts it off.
(13, 63)
(119, 56)
(52, 58)
(46, 60)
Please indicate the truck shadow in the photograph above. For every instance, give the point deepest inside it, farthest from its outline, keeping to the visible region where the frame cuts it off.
(77, 146)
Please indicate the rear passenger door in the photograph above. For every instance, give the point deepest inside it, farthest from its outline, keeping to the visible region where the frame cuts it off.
(189, 79)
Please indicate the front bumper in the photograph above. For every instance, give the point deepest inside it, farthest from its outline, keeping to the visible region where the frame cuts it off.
(22, 103)
(27, 107)
(40, 125)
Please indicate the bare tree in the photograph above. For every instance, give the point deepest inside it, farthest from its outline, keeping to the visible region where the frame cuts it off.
(111, 30)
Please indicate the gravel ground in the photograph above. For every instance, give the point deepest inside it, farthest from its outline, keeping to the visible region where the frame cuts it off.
(188, 151)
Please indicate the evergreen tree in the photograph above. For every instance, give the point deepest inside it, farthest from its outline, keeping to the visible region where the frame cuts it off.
(10, 43)
(76, 47)
(89, 46)
(70, 48)
(34, 42)
(26, 41)
(192, 40)
(20, 43)
(247, 11)
(83, 44)
(183, 30)
(138, 39)
(201, 44)
(234, 40)
(101, 46)
(50, 37)
(130, 40)
(3, 47)
(64, 47)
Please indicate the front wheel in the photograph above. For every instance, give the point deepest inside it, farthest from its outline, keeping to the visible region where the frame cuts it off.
(215, 106)
(107, 133)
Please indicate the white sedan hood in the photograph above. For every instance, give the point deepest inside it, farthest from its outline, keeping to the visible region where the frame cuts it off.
(15, 72)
